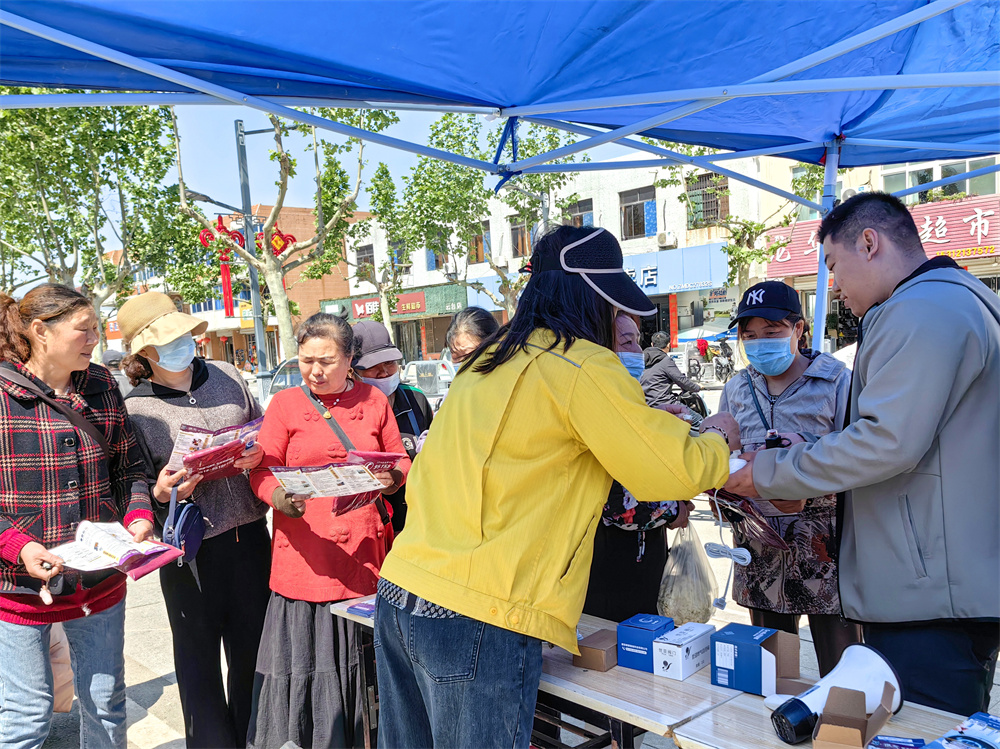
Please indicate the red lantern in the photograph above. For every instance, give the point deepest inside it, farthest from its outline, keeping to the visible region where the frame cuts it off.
(206, 237)
(223, 338)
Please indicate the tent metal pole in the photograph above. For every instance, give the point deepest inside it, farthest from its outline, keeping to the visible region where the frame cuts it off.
(778, 88)
(985, 148)
(670, 156)
(103, 99)
(822, 272)
(948, 180)
(835, 50)
(227, 94)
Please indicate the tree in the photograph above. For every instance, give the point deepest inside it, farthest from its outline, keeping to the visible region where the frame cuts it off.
(336, 196)
(446, 203)
(748, 238)
(84, 201)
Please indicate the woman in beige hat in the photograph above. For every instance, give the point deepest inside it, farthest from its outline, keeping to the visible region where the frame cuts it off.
(206, 606)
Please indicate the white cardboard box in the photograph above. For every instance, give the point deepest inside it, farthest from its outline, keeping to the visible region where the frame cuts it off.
(683, 651)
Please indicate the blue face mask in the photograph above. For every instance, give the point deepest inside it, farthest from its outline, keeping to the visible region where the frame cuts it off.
(770, 356)
(633, 363)
(176, 356)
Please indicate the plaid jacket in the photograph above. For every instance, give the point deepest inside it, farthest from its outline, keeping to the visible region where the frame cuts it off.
(52, 476)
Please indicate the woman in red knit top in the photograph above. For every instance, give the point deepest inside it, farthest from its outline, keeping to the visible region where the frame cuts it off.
(307, 666)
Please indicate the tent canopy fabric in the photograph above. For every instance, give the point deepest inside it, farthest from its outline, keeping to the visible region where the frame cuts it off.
(541, 54)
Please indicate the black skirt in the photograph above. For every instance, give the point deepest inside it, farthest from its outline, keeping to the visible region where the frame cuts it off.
(307, 688)
(620, 586)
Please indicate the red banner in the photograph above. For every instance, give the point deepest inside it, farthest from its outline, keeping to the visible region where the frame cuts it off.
(406, 304)
(962, 229)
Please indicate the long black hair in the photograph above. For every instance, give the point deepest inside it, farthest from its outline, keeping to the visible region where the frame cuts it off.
(553, 300)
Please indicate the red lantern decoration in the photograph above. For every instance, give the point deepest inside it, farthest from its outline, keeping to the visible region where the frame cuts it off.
(206, 237)
(223, 338)
(279, 241)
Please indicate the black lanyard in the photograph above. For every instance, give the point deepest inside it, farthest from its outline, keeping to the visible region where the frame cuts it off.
(756, 402)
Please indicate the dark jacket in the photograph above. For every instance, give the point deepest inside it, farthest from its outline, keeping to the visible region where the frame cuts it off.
(55, 475)
(413, 414)
(661, 375)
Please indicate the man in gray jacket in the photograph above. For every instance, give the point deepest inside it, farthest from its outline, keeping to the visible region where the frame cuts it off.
(662, 373)
(919, 461)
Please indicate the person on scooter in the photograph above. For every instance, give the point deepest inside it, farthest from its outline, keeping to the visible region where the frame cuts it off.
(661, 373)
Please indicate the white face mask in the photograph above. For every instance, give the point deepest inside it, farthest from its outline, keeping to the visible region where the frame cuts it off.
(176, 356)
(387, 385)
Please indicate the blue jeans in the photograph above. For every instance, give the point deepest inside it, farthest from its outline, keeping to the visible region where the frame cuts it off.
(96, 646)
(453, 682)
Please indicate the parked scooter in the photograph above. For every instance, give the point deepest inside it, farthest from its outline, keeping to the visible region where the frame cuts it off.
(722, 363)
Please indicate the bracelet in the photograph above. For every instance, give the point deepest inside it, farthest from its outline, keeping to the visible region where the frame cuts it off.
(720, 430)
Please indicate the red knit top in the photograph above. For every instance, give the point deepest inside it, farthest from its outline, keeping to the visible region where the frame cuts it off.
(323, 557)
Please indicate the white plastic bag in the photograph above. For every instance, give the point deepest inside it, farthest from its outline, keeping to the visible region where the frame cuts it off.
(688, 586)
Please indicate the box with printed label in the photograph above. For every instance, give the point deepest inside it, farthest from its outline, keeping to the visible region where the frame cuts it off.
(635, 640)
(753, 659)
(683, 651)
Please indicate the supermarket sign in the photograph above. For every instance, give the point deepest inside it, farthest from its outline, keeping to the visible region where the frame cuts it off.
(961, 229)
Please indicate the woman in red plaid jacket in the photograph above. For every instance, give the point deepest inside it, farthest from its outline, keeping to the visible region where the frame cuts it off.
(52, 477)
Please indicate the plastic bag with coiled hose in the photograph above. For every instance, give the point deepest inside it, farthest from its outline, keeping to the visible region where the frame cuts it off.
(688, 586)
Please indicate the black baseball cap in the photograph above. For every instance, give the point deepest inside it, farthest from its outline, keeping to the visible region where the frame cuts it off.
(598, 258)
(772, 300)
(376, 346)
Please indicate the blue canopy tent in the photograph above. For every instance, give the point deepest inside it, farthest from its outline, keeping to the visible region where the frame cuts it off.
(838, 82)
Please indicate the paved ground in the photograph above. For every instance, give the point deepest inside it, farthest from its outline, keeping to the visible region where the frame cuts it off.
(154, 714)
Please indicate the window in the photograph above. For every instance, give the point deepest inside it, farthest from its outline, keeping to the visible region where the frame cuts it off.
(366, 255)
(913, 175)
(985, 184)
(921, 177)
(581, 213)
(638, 209)
(481, 244)
(520, 237)
(706, 205)
(400, 260)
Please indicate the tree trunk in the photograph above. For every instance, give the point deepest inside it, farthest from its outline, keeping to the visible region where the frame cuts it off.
(743, 279)
(279, 298)
(383, 305)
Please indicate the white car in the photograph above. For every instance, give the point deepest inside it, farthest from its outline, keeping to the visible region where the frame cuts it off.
(286, 375)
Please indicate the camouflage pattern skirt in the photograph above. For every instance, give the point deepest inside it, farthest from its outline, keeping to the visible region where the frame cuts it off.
(802, 580)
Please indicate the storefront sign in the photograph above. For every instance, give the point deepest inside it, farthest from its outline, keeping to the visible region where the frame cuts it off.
(962, 229)
(406, 304)
(112, 332)
(246, 315)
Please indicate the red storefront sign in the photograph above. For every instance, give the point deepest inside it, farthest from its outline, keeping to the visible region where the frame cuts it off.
(962, 229)
(112, 332)
(406, 304)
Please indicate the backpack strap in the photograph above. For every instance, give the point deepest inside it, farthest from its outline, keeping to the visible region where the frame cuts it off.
(75, 418)
(346, 442)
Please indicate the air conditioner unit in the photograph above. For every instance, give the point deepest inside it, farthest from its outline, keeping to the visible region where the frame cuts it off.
(848, 193)
(666, 239)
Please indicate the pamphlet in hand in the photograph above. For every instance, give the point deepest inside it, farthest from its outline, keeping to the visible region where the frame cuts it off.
(352, 483)
(212, 454)
(105, 546)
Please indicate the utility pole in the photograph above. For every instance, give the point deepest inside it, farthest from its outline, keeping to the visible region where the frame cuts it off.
(251, 247)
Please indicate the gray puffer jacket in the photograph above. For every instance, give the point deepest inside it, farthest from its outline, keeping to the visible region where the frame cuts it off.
(920, 460)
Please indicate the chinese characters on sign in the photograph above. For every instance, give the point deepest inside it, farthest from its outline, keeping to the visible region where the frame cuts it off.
(646, 276)
(941, 225)
(406, 304)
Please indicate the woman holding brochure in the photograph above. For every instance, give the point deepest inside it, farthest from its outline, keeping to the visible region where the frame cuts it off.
(308, 678)
(54, 476)
(507, 493)
(206, 605)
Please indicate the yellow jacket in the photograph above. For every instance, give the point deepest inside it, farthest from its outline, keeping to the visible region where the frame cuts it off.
(505, 496)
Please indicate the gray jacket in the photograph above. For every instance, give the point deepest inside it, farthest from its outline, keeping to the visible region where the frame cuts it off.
(221, 400)
(920, 460)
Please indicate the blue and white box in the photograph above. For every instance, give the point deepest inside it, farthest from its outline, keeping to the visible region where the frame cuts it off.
(753, 659)
(683, 651)
(635, 640)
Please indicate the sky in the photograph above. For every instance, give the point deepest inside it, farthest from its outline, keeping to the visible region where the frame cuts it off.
(208, 153)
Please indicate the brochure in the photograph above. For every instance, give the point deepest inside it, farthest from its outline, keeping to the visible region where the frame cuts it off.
(352, 483)
(212, 454)
(980, 730)
(105, 546)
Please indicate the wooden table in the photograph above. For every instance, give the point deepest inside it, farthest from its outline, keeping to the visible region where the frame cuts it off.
(745, 722)
(621, 702)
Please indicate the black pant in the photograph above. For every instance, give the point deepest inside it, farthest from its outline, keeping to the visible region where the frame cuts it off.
(234, 569)
(621, 587)
(945, 665)
(831, 633)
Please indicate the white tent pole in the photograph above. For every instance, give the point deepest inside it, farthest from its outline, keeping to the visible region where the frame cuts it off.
(104, 99)
(227, 94)
(822, 272)
(947, 180)
(985, 148)
(824, 55)
(777, 88)
(669, 155)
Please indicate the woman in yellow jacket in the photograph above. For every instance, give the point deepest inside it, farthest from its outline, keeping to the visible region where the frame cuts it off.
(506, 496)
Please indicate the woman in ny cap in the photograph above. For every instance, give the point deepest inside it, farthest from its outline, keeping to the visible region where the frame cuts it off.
(801, 395)
(506, 495)
(378, 365)
(207, 605)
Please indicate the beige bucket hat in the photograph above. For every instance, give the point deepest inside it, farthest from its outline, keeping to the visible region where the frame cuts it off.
(152, 319)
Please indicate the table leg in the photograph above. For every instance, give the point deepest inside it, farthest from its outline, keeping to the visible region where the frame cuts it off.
(369, 686)
(622, 734)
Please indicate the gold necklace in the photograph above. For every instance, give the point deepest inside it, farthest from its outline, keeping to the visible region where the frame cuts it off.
(326, 414)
